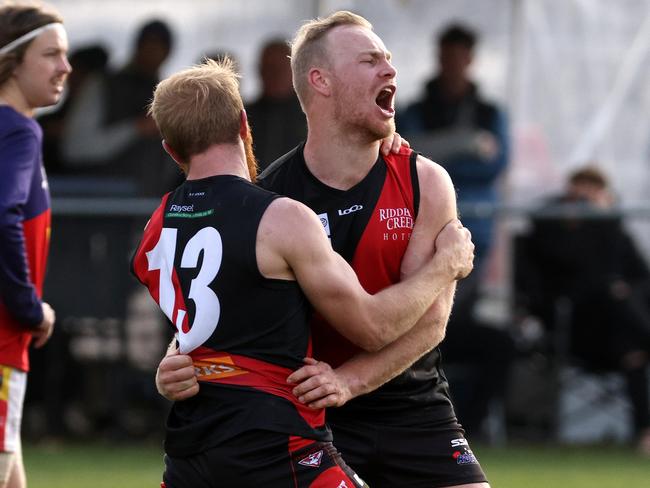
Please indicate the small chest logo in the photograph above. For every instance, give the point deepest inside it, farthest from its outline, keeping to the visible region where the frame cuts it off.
(326, 224)
(313, 460)
(352, 209)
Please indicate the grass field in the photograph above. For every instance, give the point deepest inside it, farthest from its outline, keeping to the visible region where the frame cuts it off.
(140, 466)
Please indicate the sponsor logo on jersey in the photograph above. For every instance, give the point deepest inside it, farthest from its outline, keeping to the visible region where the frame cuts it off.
(466, 457)
(398, 222)
(352, 209)
(181, 208)
(186, 212)
(217, 368)
(326, 224)
(313, 460)
(343, 484)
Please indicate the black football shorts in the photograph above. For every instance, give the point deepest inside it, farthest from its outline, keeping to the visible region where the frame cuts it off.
(259, 458)
(408, 457)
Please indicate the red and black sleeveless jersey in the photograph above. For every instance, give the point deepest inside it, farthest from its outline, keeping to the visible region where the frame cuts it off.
(245, 333)
(370, 226)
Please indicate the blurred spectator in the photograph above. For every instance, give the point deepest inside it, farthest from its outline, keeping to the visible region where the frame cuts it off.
(108, 132)
(276, 119)
(85, 61)
(460, 130)
(589, 258)
(453, 125)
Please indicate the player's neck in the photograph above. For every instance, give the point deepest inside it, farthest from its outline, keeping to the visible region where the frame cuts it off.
(11, 96)
(219, 159)
(337, 158)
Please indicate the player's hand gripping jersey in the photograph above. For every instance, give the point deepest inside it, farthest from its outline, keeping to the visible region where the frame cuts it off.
(245, 333)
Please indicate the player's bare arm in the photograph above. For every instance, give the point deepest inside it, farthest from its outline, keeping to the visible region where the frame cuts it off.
(366, 372)
(321, 386)
(291, 232)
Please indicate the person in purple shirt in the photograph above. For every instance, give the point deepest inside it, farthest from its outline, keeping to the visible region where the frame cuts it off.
(33, 70)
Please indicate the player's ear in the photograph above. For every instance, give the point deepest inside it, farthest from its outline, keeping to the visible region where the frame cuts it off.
(170, 150)
(243, 125)
(174, 155)
(319, 80)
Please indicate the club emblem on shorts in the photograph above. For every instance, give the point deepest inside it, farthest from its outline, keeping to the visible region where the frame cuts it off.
(466, 457)
(313, 460)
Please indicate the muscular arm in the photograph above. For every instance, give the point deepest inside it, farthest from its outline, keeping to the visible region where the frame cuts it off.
(291, 242)
(367, 371)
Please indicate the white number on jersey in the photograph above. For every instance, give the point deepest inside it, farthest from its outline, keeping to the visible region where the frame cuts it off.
(208, 308)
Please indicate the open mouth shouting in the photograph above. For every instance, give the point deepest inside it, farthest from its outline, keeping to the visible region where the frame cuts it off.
(385, 100)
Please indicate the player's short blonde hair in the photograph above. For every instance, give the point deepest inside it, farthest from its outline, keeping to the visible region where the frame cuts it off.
(199, 107)
(308, 48)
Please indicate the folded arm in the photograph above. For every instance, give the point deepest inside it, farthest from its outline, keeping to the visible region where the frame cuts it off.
(332, 287)
(319, 385)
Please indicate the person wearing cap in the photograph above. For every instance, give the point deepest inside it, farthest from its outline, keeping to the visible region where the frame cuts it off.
(33, 70)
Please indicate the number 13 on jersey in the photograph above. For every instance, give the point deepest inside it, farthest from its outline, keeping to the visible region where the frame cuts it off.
(171, 298)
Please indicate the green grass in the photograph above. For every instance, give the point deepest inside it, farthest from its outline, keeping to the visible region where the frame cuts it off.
(94, 466)
(565, 467)
(140, 466)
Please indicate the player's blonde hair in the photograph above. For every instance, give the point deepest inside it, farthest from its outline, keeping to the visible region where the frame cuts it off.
(199, 107)
(308, 48)
(17, 19)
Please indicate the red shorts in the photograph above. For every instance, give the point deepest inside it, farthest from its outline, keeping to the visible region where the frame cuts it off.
(259, 458)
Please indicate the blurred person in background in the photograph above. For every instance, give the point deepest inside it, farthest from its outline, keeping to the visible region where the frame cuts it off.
(466, 134)
(394, 420)
(275, 116)
(86, 61)
(457, 127)
(594, 262)
(33, 70)
(107, 131)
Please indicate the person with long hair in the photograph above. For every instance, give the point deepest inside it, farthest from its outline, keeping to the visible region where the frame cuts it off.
(33, 70)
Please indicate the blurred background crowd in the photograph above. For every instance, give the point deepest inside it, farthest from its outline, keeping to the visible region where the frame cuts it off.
(538, 109)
